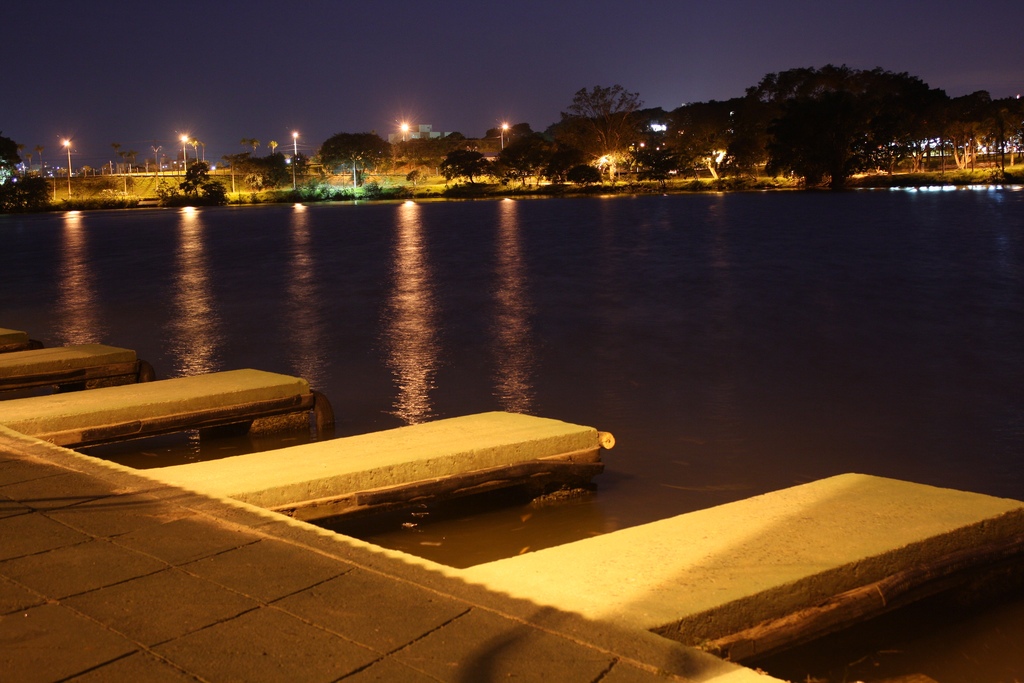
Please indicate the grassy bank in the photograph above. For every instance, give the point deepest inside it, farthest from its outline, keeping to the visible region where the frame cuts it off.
(127, 191)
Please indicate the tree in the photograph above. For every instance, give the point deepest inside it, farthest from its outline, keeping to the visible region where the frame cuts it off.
(600, 121)
(273, 146)
(356, 150)
(561, 161)
(116, 146)
(199, 185)
(523, 157)
(39, 150)
(833, 122)
(464, 163)
(9, 158)
(702, 134)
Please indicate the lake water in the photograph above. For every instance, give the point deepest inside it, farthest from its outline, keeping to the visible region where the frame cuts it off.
(733, 344)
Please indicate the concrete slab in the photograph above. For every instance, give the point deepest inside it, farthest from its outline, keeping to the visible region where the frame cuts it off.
(67, 419)
(368, 461)
(350, 605)
(13, 340)
(715, 572)
(183, 602)
(266, 645)
(267, 570)
(62, 359)
(36, 641)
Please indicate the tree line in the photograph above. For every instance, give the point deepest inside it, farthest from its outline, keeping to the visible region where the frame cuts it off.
(821, 125)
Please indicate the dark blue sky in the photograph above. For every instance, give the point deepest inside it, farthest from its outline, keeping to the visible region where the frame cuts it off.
(105, 71)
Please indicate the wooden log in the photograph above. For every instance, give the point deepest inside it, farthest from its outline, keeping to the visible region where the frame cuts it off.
(534, 472)
(865, 602)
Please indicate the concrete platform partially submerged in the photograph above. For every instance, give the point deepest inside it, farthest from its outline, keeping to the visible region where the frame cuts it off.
(131, 411)
(16, 340)
(329, 478)
(711, 574)
(85, 366)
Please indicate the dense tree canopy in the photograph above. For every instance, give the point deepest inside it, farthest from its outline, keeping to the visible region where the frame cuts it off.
(355, 150)
(601, 122)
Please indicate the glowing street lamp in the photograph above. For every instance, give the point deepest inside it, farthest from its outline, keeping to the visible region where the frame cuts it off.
(67, 144)
(295, 154)
(504, 127)
(405, 130)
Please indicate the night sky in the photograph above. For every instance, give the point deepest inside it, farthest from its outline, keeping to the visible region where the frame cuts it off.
(102, 71)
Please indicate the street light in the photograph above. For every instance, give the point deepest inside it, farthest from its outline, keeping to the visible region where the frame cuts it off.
(295, 155)
(156, 158)
(504, 127)
(184, 153)
(405, 130)
(67, 144)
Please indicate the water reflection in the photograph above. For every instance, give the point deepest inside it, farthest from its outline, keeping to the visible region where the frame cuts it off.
(308, 342)
(77, 310)
(194, 331)
(514, 353)
(410, 336)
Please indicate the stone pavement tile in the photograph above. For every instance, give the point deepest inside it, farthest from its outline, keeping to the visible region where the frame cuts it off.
(34, 533)
(50, 643)
(266, 645)
(158, 607)
(57, 491)
(14, 597)
(17, 470)
(186, 539)
(136, 667)
(374, 610)
(483, 646)
(9, 508)
(387, 670)
(79, 568)
(268, 569)
(623, 672)
(117, 515)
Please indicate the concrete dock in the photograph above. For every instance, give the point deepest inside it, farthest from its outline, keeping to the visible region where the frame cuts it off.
(106, 575)
(332, 471)
(709, 574)
(121, 412)
(86, 365)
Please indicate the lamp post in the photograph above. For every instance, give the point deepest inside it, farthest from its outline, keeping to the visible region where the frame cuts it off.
(504, 127)
(67, 144)
(156, 158)
(405, 131)
(184, 153)
(295, 155)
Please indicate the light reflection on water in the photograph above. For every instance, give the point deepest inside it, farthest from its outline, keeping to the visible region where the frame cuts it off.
(195, 330)
(514, 359)
(77, 304)
(410, 329)
(306, 329)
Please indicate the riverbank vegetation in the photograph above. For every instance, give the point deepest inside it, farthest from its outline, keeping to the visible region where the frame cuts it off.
(833, 127)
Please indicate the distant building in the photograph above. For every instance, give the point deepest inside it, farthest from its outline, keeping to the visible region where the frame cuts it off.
(420, 132)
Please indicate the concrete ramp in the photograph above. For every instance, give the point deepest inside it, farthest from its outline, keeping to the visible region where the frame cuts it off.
(708, 575)
(331, 477)
(131, 411)
(85, 366)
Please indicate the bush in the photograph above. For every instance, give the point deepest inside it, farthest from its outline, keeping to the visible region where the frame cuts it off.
(583, 174)
(24, 194)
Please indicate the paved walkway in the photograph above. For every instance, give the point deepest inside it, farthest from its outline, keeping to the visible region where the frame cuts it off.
(106, 575)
